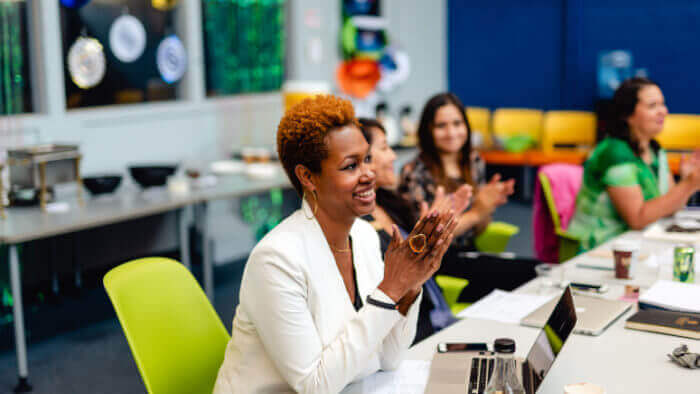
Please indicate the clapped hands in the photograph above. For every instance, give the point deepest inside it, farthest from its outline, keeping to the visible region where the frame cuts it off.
(409, 262)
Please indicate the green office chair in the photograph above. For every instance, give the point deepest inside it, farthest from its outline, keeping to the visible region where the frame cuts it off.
(568, 244)
(495, 237)
(175, 335)
(451, 289)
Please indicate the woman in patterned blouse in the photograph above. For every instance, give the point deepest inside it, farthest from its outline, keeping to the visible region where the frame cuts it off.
(627, 183)
(446, 159)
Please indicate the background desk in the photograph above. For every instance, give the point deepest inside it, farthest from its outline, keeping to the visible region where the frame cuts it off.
(28, 224)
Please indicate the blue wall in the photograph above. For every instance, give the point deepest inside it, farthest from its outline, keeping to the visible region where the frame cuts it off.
(544, 54)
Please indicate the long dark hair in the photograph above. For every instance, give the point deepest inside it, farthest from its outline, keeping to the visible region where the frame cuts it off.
(398, 209)
(429, 153)
(624, 104)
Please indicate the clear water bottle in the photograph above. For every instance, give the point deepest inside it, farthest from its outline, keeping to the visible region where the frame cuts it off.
(504, 379)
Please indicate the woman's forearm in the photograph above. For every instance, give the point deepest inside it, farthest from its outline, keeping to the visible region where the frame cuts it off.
(638, 213)
(473, 218)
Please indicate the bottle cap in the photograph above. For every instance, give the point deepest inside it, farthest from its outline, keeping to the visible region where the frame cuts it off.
(504, 345)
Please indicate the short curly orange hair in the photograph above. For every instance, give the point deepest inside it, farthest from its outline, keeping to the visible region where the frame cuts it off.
(303, 129)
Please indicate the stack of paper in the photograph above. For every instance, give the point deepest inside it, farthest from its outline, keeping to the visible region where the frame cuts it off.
(673, 296)
(505, 307)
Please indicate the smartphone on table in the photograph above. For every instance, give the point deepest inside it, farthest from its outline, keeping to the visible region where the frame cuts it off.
(589, 287)
(446, 347)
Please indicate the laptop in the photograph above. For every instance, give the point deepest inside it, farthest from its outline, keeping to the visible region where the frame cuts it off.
(447, 372)
(594, 314)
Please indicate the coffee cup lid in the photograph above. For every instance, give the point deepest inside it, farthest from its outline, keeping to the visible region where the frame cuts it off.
(625, 245)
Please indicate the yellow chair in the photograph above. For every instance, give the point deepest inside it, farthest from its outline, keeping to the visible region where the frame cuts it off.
(175, 335)
(577, 128)
(681, 132)
(508, 122)
(480, 121)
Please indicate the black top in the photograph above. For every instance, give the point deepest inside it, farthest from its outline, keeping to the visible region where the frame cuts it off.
(358, 299)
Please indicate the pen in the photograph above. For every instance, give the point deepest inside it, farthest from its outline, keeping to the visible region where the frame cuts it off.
(595, 267)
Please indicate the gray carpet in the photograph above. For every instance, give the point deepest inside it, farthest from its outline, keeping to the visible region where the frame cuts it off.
(96, 358)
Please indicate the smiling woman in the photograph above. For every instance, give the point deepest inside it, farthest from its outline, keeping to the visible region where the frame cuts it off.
(302, 325)
(626, 180)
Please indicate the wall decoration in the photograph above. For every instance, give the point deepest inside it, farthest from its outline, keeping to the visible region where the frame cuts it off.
(127, 38)
(131, 31)
(370, 64)
(358, 77)
(395, 67)
(14, 84)
(86, 62)
(244, 45)
(171, 59)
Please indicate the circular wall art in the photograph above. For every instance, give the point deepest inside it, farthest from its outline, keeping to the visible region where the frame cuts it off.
(86, 62)
(127, 38)
(171, 58)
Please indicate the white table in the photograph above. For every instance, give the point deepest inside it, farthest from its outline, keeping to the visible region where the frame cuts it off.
(620, 360)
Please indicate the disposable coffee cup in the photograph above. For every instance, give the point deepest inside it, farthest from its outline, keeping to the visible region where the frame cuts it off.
(583, 388)
(624, 252)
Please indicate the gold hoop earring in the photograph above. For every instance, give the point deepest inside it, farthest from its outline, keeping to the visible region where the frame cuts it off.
(315, 209)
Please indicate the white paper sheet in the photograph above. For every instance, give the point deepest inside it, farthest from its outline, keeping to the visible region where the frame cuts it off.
(658, 231)
(684, 297)
(410, 378)
(505, 307)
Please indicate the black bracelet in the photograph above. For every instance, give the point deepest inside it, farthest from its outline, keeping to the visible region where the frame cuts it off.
(381, 304)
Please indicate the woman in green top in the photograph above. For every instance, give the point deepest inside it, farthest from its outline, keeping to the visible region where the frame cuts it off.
(626, 180)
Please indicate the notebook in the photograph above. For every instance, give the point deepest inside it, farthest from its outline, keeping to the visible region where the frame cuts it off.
(665, 322)
(672, 296)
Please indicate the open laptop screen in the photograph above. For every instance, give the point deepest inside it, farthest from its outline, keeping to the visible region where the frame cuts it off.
(550, 340)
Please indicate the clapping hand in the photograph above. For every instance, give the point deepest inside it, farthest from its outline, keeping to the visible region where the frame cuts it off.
(690, 168)
(409, 262)
(457, 201)
(494, 194)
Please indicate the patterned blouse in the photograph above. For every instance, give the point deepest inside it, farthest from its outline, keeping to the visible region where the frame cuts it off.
(418, 185)
(613, 163)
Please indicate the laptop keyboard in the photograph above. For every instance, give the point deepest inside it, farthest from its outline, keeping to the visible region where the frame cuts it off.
(479, 375)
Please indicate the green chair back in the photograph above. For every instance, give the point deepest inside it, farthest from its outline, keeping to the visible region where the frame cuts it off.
(568, 244)
(495, 237)
(451, 289)
(175, 335)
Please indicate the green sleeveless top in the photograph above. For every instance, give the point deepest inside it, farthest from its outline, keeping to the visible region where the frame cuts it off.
(613, 163)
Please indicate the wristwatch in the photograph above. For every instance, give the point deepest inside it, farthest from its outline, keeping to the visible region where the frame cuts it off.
(381, 304)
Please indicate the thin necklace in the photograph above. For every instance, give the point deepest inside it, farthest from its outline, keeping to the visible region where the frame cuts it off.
(341, 250)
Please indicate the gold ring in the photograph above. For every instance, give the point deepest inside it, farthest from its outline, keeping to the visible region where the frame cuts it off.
(423, 241)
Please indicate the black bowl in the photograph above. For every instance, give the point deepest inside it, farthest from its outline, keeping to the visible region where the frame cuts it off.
(102, 184)
(148, 176)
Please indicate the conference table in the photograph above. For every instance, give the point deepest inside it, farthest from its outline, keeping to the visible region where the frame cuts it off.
(620, 360)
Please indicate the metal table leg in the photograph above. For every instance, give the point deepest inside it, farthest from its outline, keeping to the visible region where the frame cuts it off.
(183, 230)
(77, 269)
(20, 341)
(55, 288)
(527, 183)
(207, 265)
